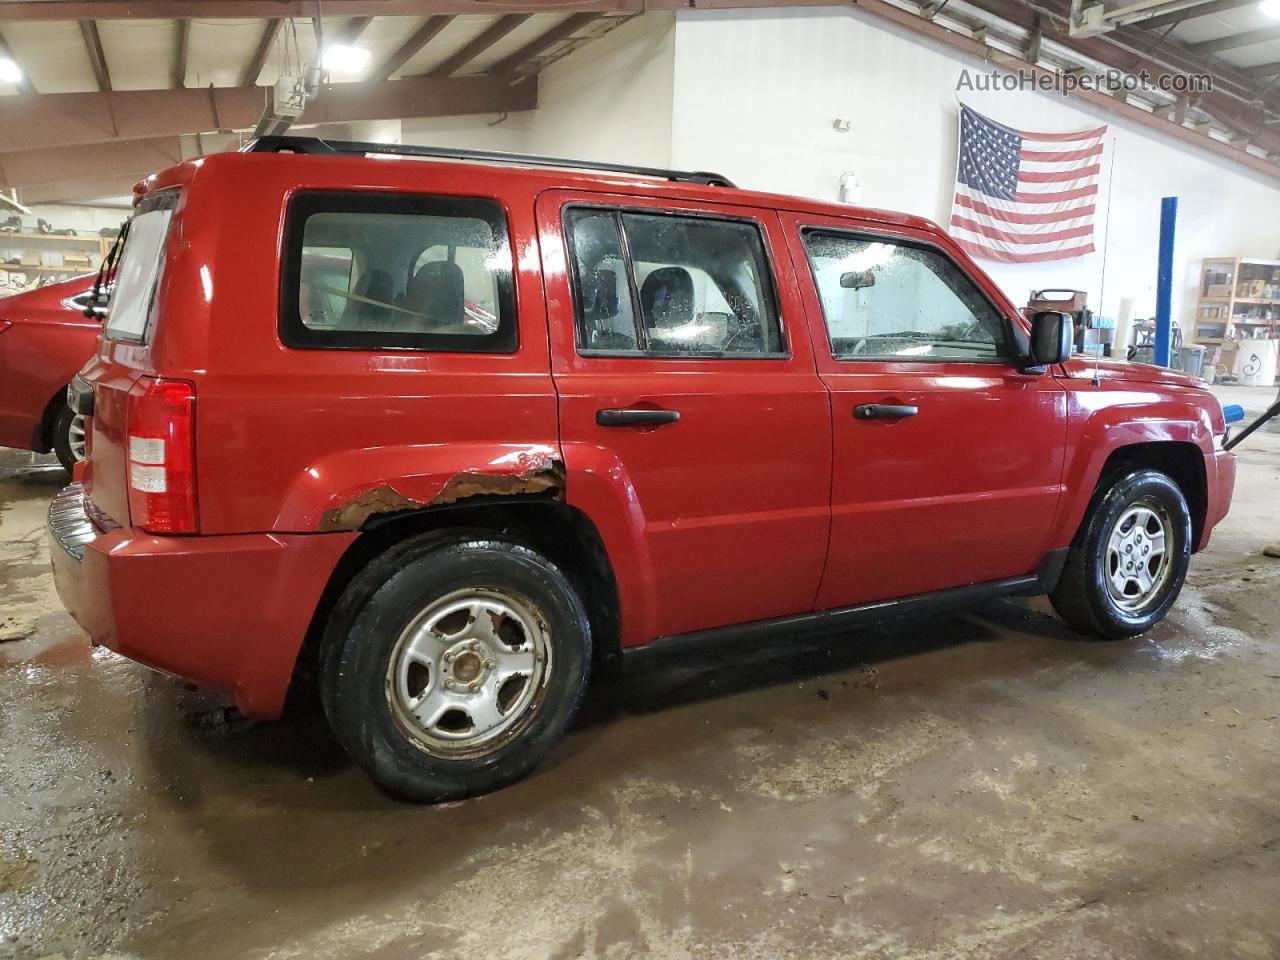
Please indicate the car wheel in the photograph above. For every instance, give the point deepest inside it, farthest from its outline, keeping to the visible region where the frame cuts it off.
(69, 437)
(1129, 559)
(451, 666)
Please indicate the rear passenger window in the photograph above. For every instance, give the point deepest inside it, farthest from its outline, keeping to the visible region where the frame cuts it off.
(670, 285)
(376, 272)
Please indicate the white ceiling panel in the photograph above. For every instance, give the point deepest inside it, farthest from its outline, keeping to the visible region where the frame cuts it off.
(53, 55)
(220, 50)
(139, 53)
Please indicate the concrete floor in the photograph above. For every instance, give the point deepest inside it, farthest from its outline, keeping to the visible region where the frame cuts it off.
(976, 786)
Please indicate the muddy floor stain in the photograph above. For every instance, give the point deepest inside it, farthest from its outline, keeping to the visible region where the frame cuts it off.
(977, 786)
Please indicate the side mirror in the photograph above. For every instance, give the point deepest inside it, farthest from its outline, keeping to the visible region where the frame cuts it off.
(1053, 335)
(858, 280)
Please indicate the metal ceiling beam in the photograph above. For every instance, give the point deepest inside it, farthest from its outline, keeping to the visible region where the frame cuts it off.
(1119, 50)
(1263, 70)
(181, 45)
(352, 29)
(261, 9)
(409, 49)
(1246, 39)
(1163, 20)
(561, 31)
(29, 168)
(500, 28)
(97, 58)
(73, 119)
(24, 85)
(1130, 112)
(261, 52)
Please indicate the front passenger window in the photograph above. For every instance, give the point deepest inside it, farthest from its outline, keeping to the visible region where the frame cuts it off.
(896, 301)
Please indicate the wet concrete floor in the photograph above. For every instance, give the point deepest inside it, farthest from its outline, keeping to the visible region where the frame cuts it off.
(972, 786)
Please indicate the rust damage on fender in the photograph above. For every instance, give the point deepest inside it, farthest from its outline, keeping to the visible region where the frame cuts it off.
(548, 478)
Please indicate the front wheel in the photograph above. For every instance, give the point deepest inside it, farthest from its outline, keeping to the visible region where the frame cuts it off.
(1129, 559)
(452, 665)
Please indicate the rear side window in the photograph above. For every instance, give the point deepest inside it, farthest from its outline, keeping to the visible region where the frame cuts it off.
(671, 285)
(137, 277)
(889, 300)
(384, 272)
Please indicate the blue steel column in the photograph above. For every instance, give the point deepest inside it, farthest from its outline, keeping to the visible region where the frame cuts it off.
(1164, 281)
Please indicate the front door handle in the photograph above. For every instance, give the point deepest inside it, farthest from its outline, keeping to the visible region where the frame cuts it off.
(635, 417)
(884, 411)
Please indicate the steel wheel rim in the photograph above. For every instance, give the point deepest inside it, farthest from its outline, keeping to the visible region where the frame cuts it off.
(467, 675)
(1137, 564)
(75, 437)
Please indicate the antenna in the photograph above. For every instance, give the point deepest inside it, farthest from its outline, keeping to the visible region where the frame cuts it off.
(1106, 237)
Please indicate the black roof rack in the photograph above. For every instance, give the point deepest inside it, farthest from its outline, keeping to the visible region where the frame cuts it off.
(315, 145)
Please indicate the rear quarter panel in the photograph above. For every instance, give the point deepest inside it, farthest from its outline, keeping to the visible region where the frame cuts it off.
(287, 437)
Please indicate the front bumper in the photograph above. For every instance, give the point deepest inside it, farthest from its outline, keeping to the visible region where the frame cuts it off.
(226, 612)
(1221, 470)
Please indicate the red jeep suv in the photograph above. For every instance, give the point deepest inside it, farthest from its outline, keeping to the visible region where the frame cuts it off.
(448, 430)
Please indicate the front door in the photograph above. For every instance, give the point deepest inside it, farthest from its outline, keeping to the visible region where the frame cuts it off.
(948, 458)
(696, 431)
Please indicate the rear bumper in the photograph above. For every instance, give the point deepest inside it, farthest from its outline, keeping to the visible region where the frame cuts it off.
(227, 612)
(1221, 470)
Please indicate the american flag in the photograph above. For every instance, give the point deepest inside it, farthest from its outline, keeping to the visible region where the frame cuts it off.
(1025, 197)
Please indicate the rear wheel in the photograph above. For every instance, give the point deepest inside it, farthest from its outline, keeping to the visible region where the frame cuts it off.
(69, 437)
(451, 666)
(1130, 558)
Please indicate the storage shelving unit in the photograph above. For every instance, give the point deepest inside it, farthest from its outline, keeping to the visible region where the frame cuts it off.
(49, 251)
(1239, 298)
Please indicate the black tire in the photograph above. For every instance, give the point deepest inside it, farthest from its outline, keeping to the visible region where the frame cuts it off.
(1083, 596)
(359, 656)
(62, 437)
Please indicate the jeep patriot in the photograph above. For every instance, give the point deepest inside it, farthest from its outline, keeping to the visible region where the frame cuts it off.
(444, 432)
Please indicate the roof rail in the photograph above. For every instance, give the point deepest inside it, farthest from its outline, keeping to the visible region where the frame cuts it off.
(315, 145)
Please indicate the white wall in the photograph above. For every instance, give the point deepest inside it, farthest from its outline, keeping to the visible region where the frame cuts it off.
(611, 99)
(757, 91)
(608, 100)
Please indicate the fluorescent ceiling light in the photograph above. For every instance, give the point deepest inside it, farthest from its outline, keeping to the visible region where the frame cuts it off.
(1271, 8)
(344, 58)
(10, 72)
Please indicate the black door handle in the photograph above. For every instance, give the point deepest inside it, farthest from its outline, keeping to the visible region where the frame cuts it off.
(884, 411)
(635, 417)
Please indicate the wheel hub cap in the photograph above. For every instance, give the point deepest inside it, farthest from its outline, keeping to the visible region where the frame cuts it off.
(1137, 564)
(467, 674)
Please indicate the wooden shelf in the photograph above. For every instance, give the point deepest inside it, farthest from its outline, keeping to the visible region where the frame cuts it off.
(42, 268)
(1233, 316)
(65, 237)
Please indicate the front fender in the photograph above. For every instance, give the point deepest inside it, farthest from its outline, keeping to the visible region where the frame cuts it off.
(1110, 420)
(342, 490)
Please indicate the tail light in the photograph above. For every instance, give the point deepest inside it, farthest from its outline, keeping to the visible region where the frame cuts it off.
(161, 447)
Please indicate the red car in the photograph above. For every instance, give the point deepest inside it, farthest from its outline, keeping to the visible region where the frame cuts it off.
(694, 412)
(45, 337)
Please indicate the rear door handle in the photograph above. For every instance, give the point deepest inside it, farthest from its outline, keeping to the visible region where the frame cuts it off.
(635, 417)
(884, 411)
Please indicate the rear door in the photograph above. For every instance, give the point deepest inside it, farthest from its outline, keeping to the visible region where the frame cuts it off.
(124, 353)
(948, 458)
(685, 379)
